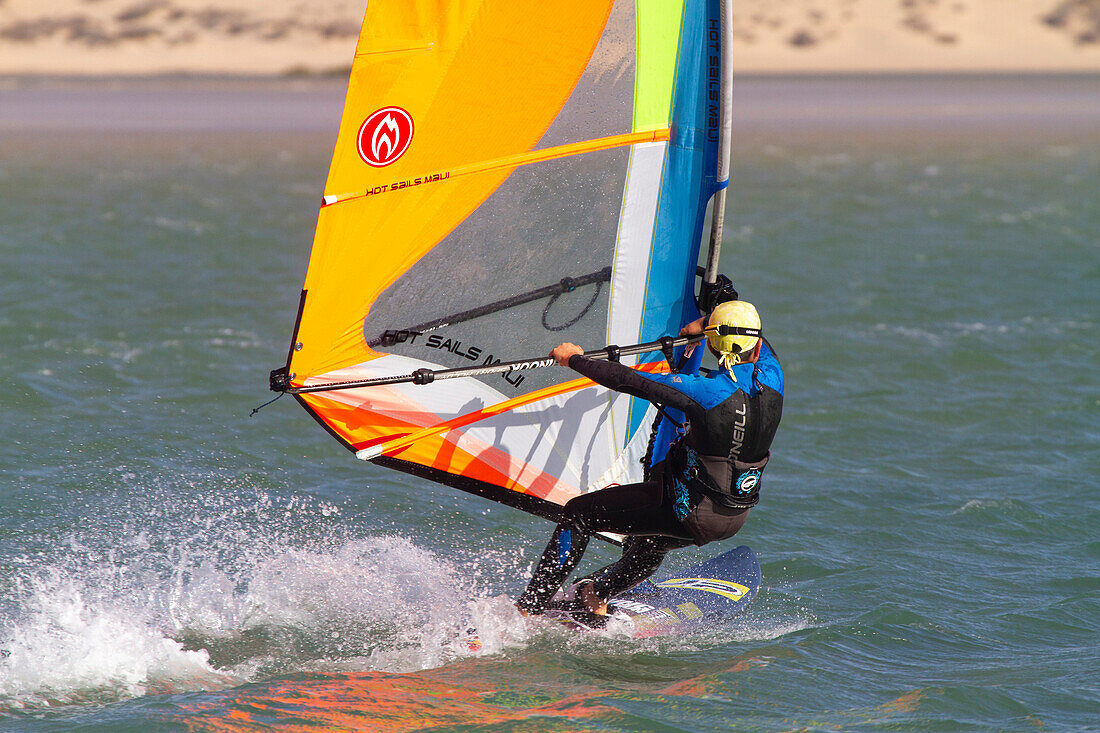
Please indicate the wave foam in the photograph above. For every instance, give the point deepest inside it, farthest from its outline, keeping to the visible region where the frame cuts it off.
(110, 631)
(72, 647)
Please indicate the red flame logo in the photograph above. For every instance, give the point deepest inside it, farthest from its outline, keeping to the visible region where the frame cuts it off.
(385, 136)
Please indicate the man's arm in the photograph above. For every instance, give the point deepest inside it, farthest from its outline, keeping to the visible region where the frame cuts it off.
(626, 380)
(769, 372)
(638, 384)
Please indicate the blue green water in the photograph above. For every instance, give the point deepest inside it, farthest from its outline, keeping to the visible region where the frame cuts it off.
(924, 253)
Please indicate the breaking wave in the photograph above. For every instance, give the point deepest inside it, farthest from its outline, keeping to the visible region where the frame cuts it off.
(135, 615)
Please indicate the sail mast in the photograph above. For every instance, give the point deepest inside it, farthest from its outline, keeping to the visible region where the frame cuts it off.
(718, 210)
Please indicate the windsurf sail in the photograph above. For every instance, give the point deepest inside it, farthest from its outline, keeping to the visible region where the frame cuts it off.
(509, 176)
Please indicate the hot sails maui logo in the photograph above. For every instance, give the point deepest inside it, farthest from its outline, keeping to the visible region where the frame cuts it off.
(385, 136)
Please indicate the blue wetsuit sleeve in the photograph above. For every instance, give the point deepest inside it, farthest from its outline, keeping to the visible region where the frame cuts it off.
(768, 370)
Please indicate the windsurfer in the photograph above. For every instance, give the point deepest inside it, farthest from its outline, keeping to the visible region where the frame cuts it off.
(706, 460)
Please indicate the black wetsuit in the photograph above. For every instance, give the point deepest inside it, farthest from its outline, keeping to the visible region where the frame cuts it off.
(707, 459)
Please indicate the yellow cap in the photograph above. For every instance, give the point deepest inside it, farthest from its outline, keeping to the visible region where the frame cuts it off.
(733, 330)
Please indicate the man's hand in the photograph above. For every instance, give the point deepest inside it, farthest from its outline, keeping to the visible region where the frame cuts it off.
(695, 327)
(561, 353)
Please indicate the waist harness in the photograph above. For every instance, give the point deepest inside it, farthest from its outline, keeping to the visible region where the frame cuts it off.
(690, 468)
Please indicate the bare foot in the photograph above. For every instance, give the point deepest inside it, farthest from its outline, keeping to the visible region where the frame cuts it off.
(587, 595)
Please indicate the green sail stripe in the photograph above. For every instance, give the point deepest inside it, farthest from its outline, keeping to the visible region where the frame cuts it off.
(658, 37)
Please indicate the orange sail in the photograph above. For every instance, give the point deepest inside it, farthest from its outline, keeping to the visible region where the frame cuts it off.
(508, 176)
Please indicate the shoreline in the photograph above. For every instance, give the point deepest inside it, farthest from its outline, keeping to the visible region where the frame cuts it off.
(340, 76)
(277, 37)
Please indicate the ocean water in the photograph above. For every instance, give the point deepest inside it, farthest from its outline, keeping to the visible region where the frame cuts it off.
(924, 253)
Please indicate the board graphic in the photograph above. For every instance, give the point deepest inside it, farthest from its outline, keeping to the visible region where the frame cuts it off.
(704, 594)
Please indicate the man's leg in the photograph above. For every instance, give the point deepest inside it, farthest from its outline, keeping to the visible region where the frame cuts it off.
(642, 555)
(630, 509)
(562, 553)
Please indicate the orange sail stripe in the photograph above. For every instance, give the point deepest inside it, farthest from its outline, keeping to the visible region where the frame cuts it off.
(388, 415)
(397, 444)
(509, 161)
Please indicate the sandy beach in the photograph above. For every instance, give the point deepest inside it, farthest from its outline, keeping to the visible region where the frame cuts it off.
(281, 37)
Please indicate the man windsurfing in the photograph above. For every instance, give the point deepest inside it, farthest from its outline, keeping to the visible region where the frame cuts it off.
(706, 461)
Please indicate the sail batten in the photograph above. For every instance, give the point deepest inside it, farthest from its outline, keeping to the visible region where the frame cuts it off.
(489, 151)
(512, 161)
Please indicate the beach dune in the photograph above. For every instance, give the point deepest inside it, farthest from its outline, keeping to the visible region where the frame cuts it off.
(140, 37)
